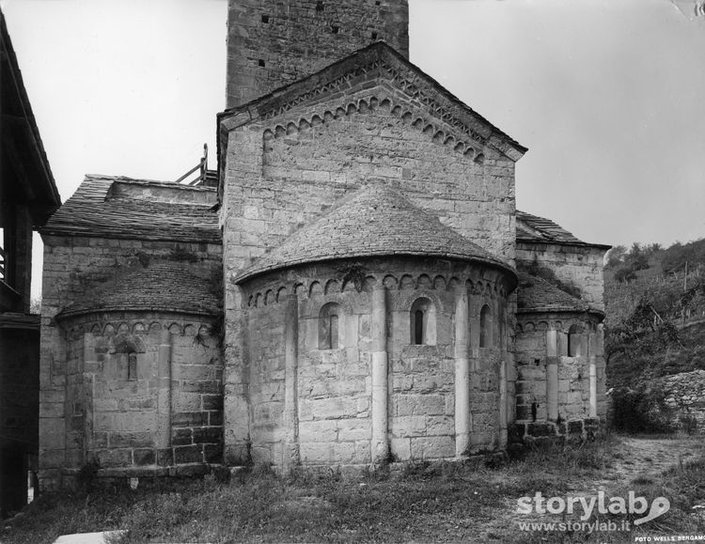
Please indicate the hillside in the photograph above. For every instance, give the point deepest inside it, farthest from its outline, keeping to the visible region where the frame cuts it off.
(655, 300)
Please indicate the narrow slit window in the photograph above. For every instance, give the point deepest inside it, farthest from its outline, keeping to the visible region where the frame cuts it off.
(329, 327)
(418, 327)
(575, 344)
(131, 367)
(333, 331)
(423, 322)
(485, 327)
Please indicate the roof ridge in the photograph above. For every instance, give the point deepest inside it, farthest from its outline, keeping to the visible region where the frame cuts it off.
(144, 181)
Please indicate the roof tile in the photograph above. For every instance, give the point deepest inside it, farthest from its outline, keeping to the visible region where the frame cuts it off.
(118, 207)
(161, 286)
(374, 221)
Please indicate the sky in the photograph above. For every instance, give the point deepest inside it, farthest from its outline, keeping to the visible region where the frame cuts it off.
(608, 95)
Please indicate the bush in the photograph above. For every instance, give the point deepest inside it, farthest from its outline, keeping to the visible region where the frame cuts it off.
(642, 410)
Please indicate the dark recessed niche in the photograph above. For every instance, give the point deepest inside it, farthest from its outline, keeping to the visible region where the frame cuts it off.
(265, 19)
(261, 62)
(374, 35)
(537, 362)
(335, 29)
(377, 3)
(319, 6)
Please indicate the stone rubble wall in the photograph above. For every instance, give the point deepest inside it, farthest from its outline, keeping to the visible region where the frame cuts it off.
(548, 433)
(685, 396)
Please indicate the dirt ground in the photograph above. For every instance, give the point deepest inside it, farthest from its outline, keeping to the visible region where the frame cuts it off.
(646, 457)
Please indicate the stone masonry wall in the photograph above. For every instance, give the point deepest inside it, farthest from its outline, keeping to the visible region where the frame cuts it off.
(333, 392)
(578, 266)
(531, 374)
(266, 380)
(573, 372)
(334, 385)
(283, 173)
(73, 265)
(345, 143)
(162, 408)
(271, 44)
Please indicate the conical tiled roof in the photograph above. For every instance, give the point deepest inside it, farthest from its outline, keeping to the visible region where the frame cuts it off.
(158, 287)
(536, 294)
(375, 221)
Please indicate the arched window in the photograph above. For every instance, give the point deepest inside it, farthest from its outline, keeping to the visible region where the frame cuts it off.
(485, 327)
(423, 322)
(328, 327)
(575, 341)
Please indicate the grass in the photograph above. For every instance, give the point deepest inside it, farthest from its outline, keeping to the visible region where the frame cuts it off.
(445, 502)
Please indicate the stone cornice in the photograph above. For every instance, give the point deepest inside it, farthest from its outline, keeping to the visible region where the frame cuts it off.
(383, 63)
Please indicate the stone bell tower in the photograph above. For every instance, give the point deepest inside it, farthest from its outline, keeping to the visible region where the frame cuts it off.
(273, 43)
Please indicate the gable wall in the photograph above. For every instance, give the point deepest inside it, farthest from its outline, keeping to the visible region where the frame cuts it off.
(298, 39)
(579, 266)
(285, 173)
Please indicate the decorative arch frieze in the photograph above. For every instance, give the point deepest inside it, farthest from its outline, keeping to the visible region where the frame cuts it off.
(467, 143)
(108, 326)
(273, 292)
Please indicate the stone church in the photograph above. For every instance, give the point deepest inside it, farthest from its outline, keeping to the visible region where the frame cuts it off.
(353, 286)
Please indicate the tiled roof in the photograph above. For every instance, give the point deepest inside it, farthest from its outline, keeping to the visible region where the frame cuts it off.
(163, 286)
(118, 207)
(539, 229)
(538, 295)
(532, 228)
(374, 221)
